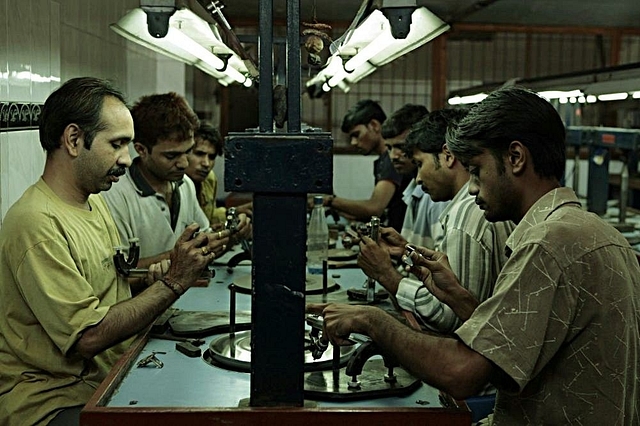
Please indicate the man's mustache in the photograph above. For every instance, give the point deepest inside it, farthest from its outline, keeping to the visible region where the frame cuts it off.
(118, 171)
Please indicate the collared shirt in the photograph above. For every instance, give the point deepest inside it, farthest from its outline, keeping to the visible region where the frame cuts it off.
(475, 248)
(564, 320)
(421, 221)
(140, 212)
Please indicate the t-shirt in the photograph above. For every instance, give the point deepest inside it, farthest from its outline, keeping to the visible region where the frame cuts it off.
(207, 200)
(383, 170)
(57, 279)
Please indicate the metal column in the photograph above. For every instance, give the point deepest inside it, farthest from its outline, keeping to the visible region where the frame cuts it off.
(280, 169)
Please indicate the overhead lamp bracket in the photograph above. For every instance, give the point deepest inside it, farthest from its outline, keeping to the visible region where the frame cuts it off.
(224, 57)
(345, 59)
(398, 13)
(158, 14)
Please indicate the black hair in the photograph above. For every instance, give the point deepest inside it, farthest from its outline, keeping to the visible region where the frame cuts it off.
(362, 113)
(428, 134)
(78, 101)
(510, 114)
(163, 116)
(209, 133)
(402, 120)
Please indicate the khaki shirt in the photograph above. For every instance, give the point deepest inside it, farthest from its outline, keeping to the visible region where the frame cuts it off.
(563, 321)
(57, 278)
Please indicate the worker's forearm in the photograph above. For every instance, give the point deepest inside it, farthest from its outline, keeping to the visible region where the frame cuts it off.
(125, 319)
(360, 209)
(445, 363)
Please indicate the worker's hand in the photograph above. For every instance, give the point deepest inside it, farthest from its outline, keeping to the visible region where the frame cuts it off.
(340, 320)
(246, 208)
(392, 241)
(218, 241)
(244, 230)
(376, 263)
(190, 257)
(157, 271)
(433, 269)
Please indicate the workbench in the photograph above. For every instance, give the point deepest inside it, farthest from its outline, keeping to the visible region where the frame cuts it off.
(191, 391)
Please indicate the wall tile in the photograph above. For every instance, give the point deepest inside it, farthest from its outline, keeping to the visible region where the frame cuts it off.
(54, 43)
(19, 50)
(21, 164)
(4, 55)
(41, 50)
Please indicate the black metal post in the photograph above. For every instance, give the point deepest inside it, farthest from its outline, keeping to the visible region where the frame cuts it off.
(265, 53)
(293, 66)
(280, 169)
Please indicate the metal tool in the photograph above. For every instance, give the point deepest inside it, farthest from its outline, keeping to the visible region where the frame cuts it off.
(320, 345)
(151, 359)
(126, 266)
(231, 223)
(374, 228)
(406, 257)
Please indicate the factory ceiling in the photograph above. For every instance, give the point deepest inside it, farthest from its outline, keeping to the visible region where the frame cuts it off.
(575, 13)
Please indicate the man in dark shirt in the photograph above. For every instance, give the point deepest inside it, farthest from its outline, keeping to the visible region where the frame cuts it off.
(363, 124)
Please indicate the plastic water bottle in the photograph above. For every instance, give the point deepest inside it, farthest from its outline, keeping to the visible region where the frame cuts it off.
(317, 237)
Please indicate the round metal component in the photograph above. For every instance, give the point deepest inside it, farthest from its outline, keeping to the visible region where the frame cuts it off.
(234, 353)
(337, 386)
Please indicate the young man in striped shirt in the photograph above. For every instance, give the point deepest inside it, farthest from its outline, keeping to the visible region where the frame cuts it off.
(474, 246)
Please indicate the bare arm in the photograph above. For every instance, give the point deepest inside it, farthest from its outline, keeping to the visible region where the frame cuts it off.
(364, 209)
(445, 363)
(125, 319)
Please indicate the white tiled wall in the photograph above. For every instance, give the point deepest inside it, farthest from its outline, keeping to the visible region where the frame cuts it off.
(30, 67)
(44, 42)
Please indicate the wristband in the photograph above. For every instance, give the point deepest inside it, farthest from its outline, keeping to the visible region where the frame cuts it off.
(175, 286)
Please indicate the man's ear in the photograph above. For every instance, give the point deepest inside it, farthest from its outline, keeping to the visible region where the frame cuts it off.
(72, 139)
(517, 157)
(375, 125)
(140, 149)
(449, 158)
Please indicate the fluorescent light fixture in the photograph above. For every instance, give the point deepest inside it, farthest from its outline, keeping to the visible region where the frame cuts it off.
(591, 99)
(636, 95)
(613, 96)
(371, 45)
(191, 40)
(558, 94)
(465, 100)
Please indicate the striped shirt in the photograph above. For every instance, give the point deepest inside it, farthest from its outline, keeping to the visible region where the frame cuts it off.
(475, 248)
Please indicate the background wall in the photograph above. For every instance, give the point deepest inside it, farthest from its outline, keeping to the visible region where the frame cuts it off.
(44, 42)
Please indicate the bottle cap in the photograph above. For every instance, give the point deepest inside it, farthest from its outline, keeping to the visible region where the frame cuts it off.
(317, 200)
